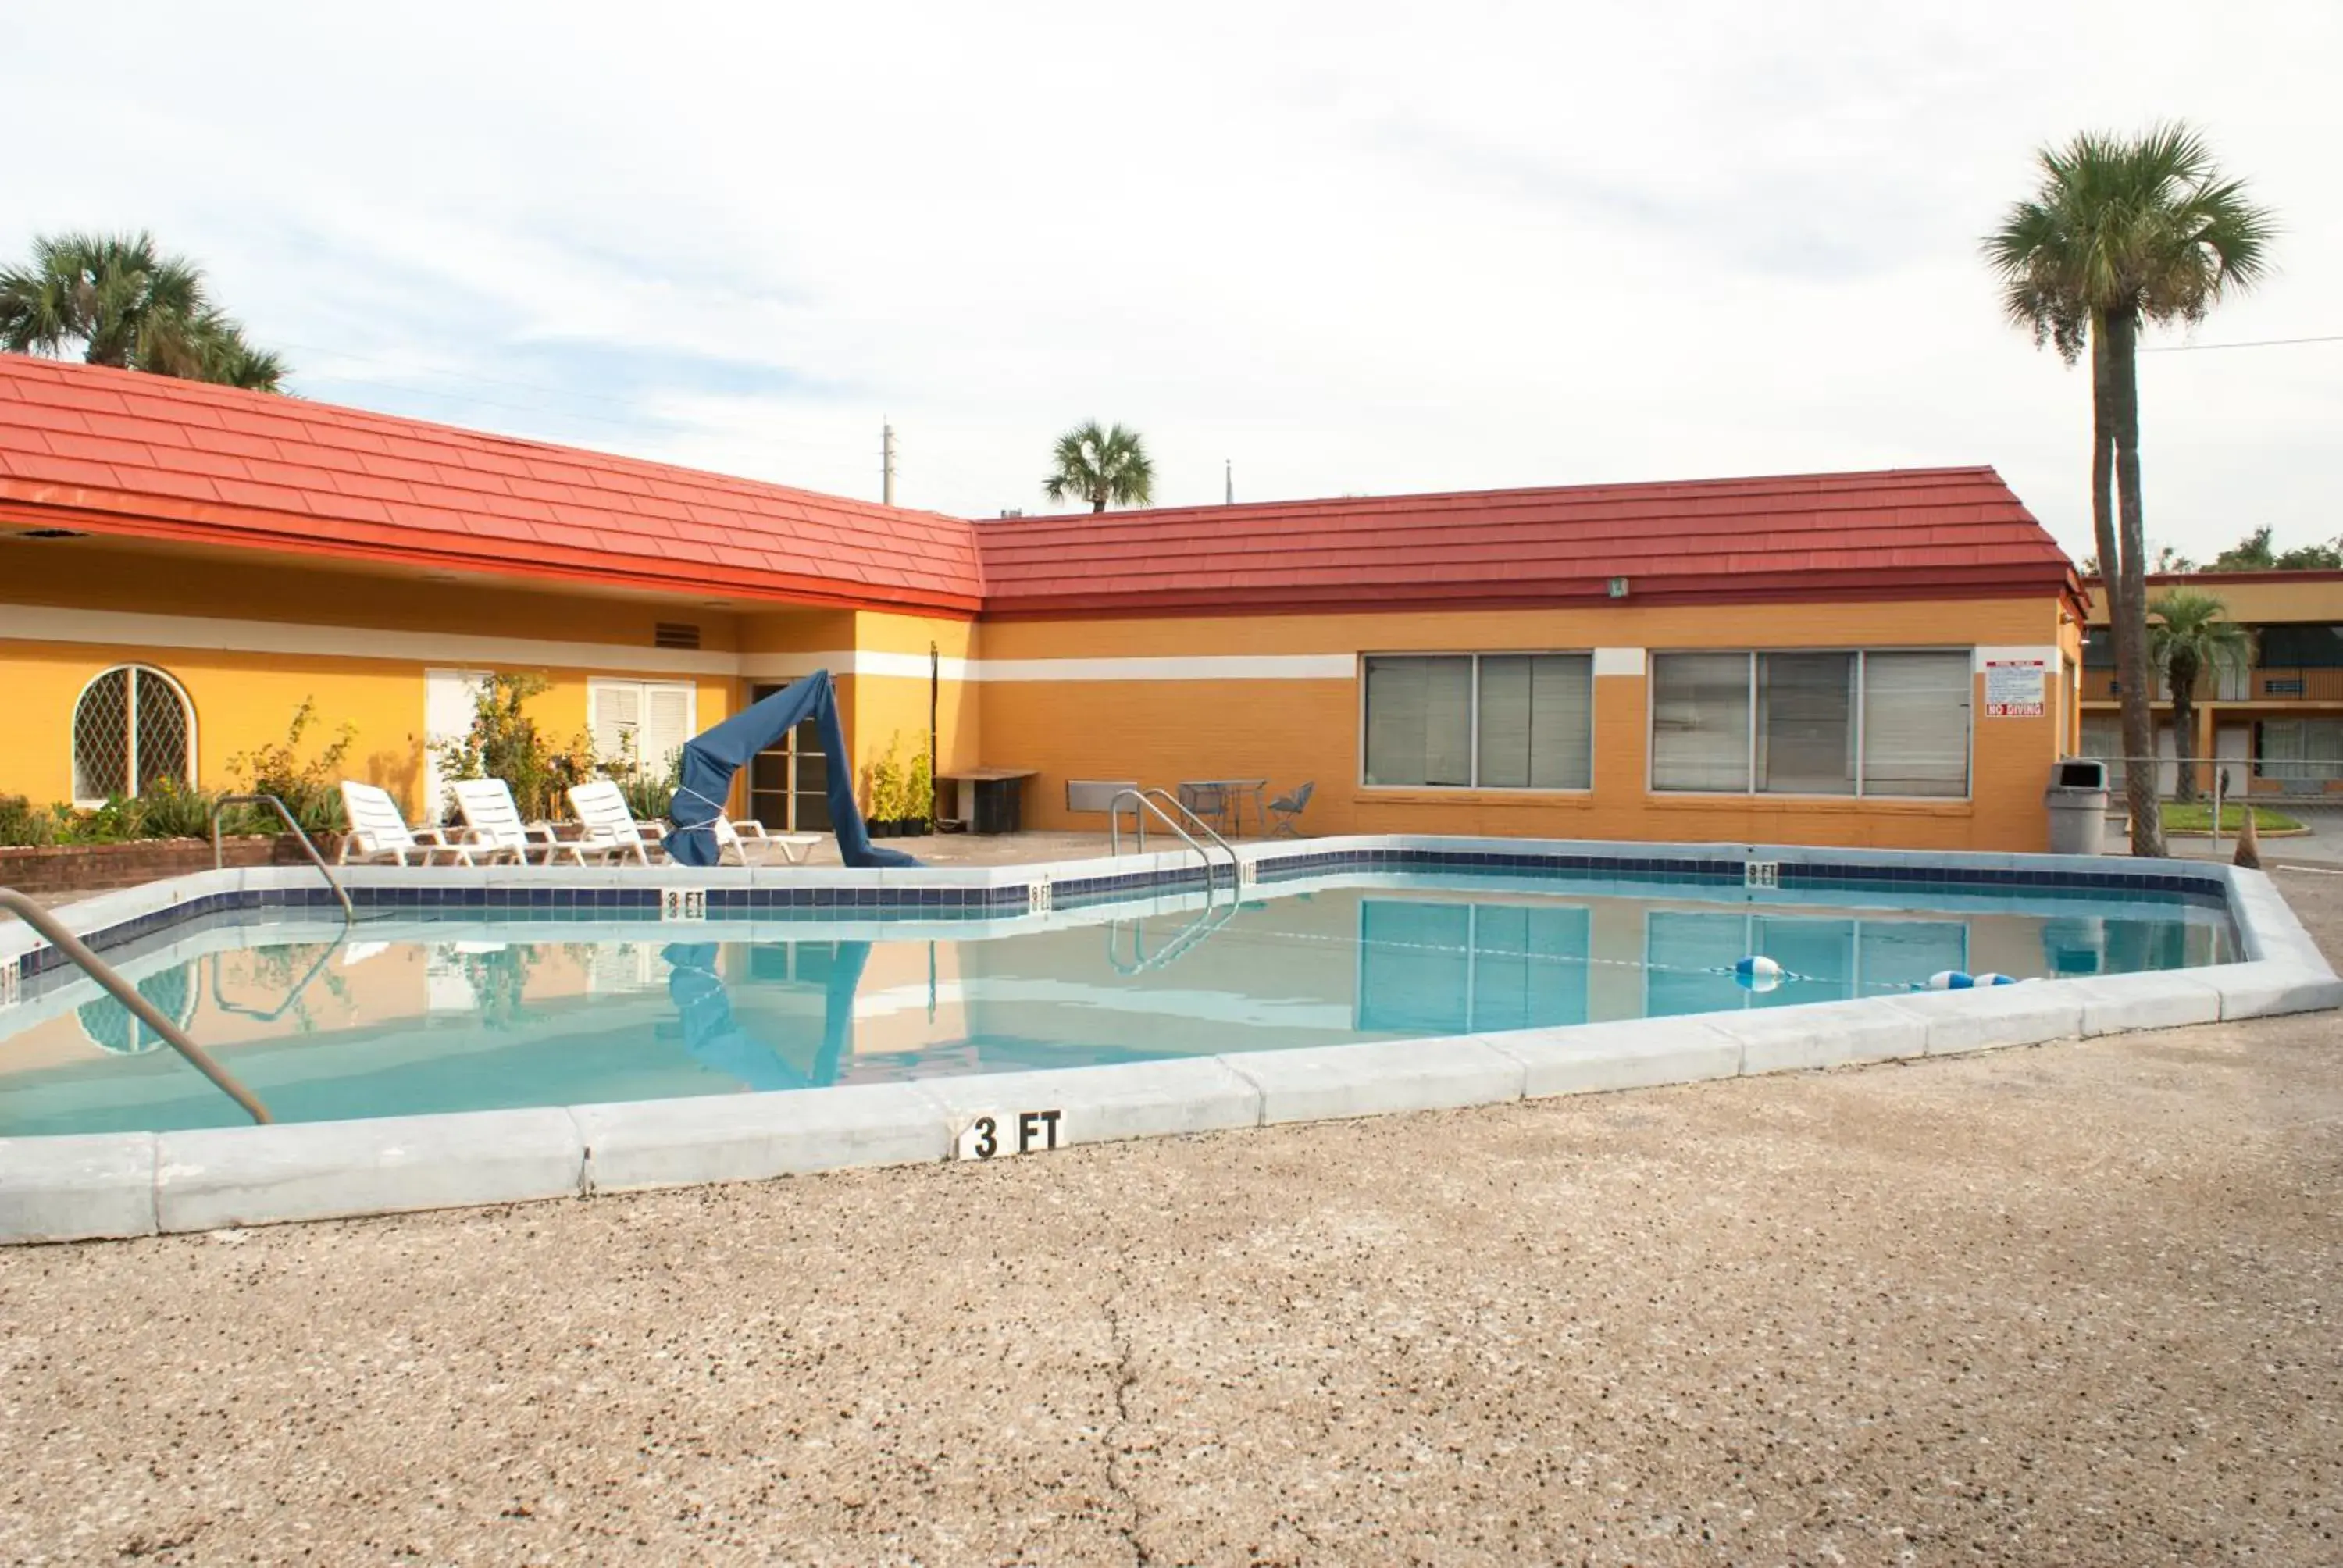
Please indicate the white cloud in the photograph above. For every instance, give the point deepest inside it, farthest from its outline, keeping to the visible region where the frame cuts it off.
(1369, 247)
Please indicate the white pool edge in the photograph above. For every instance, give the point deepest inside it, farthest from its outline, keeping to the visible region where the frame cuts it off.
(81, 1187)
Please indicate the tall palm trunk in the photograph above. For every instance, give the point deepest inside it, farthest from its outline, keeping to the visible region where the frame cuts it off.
(2116, 521)
(2184, 723)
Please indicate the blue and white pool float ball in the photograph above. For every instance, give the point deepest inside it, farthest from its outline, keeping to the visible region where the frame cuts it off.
(1757, 972)
(1961, 979)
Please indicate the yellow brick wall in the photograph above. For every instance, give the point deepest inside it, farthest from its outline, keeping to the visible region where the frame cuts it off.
(244, 699)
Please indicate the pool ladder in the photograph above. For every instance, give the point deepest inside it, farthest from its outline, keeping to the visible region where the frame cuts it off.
(1212, 917)
(219, 856)
(1144, 802)
(123, 991)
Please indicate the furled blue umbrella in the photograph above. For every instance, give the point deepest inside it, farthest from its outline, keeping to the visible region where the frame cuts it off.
(712, 757)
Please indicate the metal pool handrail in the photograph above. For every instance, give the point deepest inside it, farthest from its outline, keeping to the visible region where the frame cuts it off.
(1213, 919)
(123, 991)
(219, 859)
(1140, 802)
(1159, 793)
(219, 995)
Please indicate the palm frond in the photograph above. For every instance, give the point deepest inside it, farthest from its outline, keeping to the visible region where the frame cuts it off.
(1102, 467)
(124, 303)
(2142, 226)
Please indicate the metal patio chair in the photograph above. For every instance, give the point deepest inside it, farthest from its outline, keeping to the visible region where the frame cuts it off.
(1287, 811)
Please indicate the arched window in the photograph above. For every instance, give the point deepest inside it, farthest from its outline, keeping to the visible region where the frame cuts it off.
(113, 1027)
(133, 729)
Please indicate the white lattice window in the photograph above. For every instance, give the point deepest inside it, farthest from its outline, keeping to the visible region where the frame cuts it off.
(133, 729)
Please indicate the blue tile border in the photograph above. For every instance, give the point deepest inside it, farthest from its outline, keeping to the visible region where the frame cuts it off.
(1707, 869)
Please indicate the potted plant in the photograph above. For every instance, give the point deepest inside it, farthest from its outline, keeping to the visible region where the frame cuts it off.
(886, 795)
(918, 798)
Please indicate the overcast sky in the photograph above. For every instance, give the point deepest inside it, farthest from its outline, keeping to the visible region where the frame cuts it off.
(1356, 248)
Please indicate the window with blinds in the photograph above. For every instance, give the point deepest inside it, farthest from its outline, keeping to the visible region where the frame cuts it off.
(647, 721)
(1915, 724)
(1490, 721)
(1842, 723)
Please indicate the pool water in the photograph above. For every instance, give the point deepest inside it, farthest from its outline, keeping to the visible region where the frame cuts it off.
(418, 1016)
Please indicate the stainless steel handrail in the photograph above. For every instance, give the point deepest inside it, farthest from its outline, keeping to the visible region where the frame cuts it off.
(1213, 919)
(1159, 793)
(219, 994)
(219, 859)
(123, 991)
(1138, 799)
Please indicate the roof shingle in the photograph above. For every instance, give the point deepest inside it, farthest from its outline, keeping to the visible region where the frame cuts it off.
(112, 451)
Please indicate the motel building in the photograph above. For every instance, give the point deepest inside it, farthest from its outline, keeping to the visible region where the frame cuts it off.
(1889, 658)
(2275, 722)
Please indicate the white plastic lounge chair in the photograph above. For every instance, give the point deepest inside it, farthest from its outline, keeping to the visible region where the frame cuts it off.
(734, 837)
(495, 824)
(378, 831)
(610, 825)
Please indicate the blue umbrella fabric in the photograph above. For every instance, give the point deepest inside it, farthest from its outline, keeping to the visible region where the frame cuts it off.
(712, 757)
(715, 1038)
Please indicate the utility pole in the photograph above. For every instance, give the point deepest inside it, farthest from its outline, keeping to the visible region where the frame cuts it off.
(887, 463)
(1229, 476)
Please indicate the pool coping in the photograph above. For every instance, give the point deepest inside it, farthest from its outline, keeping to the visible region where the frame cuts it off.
(71, 1187)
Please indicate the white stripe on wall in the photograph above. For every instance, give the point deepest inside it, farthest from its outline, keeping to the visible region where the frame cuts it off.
(122, 628)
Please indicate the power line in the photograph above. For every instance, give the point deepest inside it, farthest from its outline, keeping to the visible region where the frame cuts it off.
(2263, 342)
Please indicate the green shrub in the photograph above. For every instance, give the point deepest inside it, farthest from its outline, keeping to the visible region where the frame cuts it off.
(25, 825)
(888, 792)
(504, 743)
(173, 810)
(122, 819)
(650, 793)
(919, 790)
(311, 790)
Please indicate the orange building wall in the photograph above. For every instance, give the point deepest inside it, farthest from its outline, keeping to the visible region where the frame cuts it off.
(1159, 731)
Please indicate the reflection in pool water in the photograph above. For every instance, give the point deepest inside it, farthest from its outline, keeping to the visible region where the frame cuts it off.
(428, 1018)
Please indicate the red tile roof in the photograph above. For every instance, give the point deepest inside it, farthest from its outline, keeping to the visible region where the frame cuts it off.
(111, 451)
(1903, 534)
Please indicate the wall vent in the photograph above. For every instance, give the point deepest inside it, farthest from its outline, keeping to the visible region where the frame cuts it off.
(675, 633)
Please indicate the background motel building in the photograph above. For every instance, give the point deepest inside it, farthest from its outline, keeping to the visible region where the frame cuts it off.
(2274, 721)
(1888, 658)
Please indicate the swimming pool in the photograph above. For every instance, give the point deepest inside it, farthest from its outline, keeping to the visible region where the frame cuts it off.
(500, 1034)
(399, 1017)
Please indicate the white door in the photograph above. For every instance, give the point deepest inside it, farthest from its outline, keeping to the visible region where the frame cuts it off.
(451, 698)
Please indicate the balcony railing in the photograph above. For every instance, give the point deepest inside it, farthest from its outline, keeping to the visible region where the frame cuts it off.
(2272, 684)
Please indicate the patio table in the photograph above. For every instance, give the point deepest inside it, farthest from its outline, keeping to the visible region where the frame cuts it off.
(1233, 793)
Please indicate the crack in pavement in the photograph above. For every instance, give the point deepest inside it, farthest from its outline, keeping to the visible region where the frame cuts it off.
(1126, 1378)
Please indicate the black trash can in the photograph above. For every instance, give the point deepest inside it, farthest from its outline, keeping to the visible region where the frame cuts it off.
(998, 806)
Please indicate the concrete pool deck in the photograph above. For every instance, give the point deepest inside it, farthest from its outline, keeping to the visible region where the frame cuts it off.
(2070, 1303)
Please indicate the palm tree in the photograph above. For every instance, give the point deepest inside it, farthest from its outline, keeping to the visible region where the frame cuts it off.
(2121, 233)
(2189, 638)
(122, 302)
(1102, 466)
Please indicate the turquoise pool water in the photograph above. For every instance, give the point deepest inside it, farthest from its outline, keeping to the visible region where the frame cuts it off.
(394, 1017)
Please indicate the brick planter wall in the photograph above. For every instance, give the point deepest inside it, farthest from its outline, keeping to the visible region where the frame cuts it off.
(93, 868)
